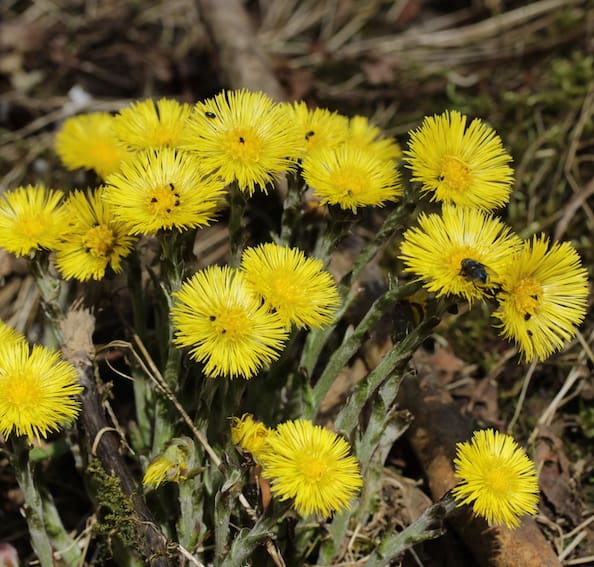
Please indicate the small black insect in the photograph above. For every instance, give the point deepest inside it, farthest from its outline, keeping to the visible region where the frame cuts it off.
(473, 270)
(210, 114)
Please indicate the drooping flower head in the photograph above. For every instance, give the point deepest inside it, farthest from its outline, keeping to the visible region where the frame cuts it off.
(543, 297)
(312, 466)
(460, 251)
(249, 434)
(150, 125)
(163, 189)
(88, 141)
(225, 324)
(496, 477)
(319, 127)
(31, 218)
(173, 465)
(296, 287)
(467, 166)
(351, 177)
(94, 240)
(37, 391)
(243, 137)
(363, 134)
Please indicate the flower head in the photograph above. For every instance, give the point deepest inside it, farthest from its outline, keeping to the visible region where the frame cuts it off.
(318, 128)
(249, 434)
(351, 177)
(465, 166)
(88, 141)
(497, 477)
(363, 134)
(312, 466)
(243, 137)
(296, 287)
(543, 297)
(147, 124)
(93, 240)
(461, 251)
(225, 325)
(37, 391)
(172, 465)
(162, 189)
(31, 218)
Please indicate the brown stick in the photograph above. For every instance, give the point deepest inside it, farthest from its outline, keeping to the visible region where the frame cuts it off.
(77, 329)
(437, 427)
(243, 62)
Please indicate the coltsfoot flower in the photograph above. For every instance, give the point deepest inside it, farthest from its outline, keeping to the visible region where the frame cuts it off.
(496, 477)
(460, 251)
(88, 141)
(543, 297)
(311, 466)
(37, 391)
(94, 240)
(296, 287)
(163, 189)
(225, 324)
(351, 177)
(243, 137)
(31, 218)
(467, 166)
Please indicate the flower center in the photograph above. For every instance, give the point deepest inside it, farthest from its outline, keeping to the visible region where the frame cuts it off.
(232, 323)
(497, 479)
(99, 241)
(525, 296)
(32, 227)
(243, 144)
(163, 200)
(349, 181)
(312, 468)
(23, 392)
(455, 173)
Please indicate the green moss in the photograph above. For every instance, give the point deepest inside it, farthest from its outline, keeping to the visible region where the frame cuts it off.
(115, 512)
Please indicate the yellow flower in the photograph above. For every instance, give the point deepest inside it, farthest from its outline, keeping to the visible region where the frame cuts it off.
(351, 177)
(93, 240)
(31, 218)
(225, 325)
(543, 297)
(244, 137)
(462, 252)
(89, 141)
(296, 287)
(465, 166)
(311, 466)
(497, 477)
(162, 189)
(146, 124)
(362, 134)
(319, 128)
(37, 391)
(173, 465)
(250, 435)
(9, 336)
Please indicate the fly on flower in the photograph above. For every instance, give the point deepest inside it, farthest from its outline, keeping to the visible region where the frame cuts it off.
(473, 270)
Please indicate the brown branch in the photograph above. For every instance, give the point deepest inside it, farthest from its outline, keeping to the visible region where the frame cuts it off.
(243, 63)
(437, 427)
(103, 442)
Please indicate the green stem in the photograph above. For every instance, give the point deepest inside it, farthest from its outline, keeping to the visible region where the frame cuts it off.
(237, 236)
(292, 207)
(33, 506)
(348, 418)
(352, 342)
(428, 525)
